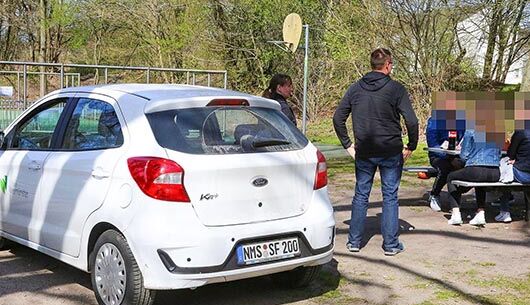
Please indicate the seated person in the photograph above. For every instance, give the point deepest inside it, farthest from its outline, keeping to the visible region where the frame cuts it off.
(481, 165)
(443, 163)
(519, 154)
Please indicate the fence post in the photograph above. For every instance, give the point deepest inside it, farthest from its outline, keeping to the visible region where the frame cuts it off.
(106, 76)
(25, 80)
(18, 86)
(226, 79)
(62, 76)
(148, 74)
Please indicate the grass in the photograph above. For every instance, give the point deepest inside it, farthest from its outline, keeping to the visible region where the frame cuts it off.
(511, 291)
(323, 132)
(422, 285)
(427, 303)
(506, 283)
(486, 264)
(346, 166)
(444, 295)
(340, 166)
(335, 295)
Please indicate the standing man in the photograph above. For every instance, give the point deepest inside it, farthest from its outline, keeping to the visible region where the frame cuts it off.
(376, 103)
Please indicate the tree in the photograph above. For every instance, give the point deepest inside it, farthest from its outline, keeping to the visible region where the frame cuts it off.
(525, 85)
(507, 38)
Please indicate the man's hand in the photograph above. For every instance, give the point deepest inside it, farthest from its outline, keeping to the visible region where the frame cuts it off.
(351, 151)
(406, 153)
(511, 162)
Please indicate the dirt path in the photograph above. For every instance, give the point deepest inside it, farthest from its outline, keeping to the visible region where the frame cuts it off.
(442, 265)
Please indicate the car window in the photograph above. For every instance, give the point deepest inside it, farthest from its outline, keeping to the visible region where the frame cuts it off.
(225, 130)
(93, 125)
(36, 132)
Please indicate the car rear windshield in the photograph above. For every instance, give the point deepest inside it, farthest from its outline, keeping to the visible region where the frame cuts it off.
(225, 130)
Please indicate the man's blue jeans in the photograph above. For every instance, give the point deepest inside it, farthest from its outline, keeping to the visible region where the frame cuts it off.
(390, 170)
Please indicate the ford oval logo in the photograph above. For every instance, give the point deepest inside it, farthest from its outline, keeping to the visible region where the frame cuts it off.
(260, 182)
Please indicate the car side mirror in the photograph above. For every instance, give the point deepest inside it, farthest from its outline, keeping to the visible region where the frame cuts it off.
(1, 139)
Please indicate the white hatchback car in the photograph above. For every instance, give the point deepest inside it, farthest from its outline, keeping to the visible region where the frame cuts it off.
(151, 187)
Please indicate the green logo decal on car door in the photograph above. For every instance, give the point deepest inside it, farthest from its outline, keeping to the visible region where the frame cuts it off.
(3, 184)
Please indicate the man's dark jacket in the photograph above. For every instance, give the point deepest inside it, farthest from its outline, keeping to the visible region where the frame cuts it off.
(376, 103)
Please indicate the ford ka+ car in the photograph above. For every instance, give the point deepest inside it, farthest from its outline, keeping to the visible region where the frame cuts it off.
(153, 187)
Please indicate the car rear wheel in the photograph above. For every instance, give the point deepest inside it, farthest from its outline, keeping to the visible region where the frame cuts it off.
(116, 278)
(297, 278)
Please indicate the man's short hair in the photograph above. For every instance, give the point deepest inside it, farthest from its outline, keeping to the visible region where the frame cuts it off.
(379, 57)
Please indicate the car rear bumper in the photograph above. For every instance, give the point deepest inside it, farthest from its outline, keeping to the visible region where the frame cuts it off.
(181, 281)
(177, 251)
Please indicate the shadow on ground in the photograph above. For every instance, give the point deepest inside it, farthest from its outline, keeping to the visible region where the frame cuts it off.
(25, 270)
(256, 291)
(31, 271)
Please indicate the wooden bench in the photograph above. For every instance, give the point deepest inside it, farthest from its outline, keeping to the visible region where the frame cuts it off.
(499, 186)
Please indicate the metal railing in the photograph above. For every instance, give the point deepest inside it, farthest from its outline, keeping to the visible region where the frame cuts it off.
(71, 79)
(191, 74)
(9, 108)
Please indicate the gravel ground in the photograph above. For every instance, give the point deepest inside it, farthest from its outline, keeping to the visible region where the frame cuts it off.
(442, 264)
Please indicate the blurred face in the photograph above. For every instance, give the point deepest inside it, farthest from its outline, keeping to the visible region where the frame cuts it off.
(285, 90)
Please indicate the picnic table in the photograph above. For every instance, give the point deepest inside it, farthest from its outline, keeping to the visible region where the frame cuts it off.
(453, 152)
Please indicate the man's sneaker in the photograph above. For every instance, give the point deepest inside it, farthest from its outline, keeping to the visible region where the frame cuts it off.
(503, 217)
(456, 219)
(499, 200)
(352, 248)
(391, 252)
(435, 203)
(478, 220)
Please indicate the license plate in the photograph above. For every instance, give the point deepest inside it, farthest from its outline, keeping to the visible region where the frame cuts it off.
(267, 251)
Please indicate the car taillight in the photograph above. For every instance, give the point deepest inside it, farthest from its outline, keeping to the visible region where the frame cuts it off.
(321, 176)
(159, 178)
(228, 102)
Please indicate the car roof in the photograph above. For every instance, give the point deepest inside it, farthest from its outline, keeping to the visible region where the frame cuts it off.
(161, 97)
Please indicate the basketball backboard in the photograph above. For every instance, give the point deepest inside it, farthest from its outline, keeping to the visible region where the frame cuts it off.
(292, 31)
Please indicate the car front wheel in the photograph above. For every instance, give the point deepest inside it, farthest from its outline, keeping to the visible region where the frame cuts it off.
(297, 278)
(116, 278)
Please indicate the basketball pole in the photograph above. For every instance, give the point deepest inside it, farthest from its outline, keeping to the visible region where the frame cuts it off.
(306, 74)
(292, 30)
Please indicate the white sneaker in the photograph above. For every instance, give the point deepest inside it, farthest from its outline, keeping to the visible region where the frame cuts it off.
(478, 220)
(435, 203)
(503, 217)
(456, 219)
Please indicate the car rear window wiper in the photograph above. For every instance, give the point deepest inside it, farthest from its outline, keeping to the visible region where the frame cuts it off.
(263, 142)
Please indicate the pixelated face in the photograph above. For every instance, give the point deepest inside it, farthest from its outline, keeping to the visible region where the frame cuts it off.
(521, 111)
(493, 115)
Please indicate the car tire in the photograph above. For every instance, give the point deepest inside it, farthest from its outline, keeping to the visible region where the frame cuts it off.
(297, 278)
(116, 278)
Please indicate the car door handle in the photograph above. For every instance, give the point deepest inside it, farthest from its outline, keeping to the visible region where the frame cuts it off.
(99, 173)
(34, 166)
